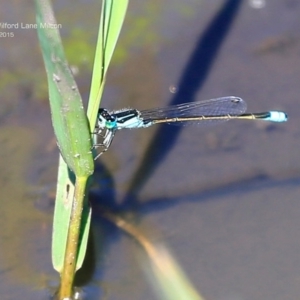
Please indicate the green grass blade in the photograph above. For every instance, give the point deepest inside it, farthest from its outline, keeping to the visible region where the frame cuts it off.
(73, 240)
(72, 132)
(68, 115)
(62, 212)
(111, 21)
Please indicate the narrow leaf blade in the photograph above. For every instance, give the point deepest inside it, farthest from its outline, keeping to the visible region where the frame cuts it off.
(68, 115)
(111, 21)
(72, 133)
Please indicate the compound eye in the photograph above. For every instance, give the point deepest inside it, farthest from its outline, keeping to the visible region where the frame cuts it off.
(106, 119)
(104, 114)
(101, 111)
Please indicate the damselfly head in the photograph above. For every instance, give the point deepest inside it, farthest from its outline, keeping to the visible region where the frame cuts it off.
(105, 119)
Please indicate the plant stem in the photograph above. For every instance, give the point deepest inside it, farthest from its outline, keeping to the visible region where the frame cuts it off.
(69, 267)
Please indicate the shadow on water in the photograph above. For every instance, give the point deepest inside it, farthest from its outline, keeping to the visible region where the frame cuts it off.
(192, 79)
(246, 185)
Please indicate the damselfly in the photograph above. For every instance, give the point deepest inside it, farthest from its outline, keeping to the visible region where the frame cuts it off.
(195, 113)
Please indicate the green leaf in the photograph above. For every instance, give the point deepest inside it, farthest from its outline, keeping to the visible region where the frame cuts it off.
(111, 21)
(68, 116)
(62, 212)
(72, 133)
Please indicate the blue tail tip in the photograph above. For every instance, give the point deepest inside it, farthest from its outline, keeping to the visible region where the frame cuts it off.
(277, 116)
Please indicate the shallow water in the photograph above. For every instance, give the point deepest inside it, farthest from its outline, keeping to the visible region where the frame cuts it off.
(222, 199)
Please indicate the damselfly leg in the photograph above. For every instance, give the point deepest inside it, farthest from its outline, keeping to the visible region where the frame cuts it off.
(104, 138)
